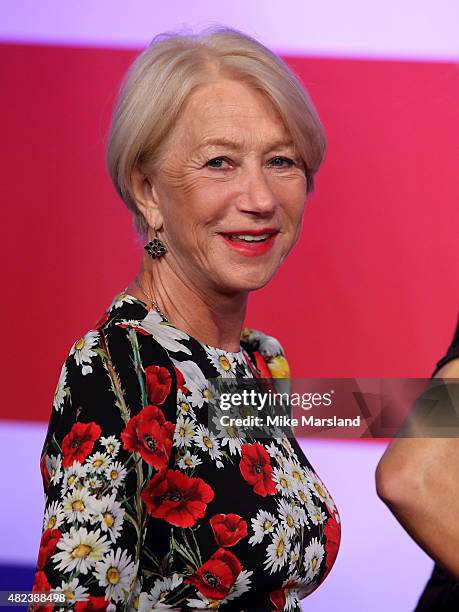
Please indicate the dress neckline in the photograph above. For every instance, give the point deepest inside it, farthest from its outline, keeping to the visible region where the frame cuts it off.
(147, 308)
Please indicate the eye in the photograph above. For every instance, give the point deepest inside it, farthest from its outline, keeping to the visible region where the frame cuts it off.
(282, 162)
(217, 162)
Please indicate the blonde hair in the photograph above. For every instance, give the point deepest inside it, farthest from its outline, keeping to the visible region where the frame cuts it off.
(164, 75)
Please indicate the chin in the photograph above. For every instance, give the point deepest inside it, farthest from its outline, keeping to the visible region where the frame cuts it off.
(245, 281)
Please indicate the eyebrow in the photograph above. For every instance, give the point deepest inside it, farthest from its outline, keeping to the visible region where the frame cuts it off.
(231, 144)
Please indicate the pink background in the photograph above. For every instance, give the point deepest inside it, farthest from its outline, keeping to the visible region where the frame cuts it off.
(370, 291)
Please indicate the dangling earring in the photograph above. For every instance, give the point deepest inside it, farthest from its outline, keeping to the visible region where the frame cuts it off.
(155, 248)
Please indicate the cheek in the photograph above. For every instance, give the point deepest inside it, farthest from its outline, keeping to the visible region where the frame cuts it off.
(294, 207)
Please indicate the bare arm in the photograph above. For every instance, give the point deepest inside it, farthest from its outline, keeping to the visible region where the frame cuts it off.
(418, 479)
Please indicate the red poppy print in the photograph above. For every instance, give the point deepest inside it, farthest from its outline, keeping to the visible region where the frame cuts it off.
(41, 585)
(159, 383)
(278, 598)
(93, 604)
(79, 442)
(149, 434)
(103, 319)
(177, 498)
(262, 366)
(44, 471)
(332, 534)
(255, 467)
(48, 544)
(138, 330)
(215, 578)
(228, 529)
(180, 380)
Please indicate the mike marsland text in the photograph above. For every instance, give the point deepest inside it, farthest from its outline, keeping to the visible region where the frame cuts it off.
(286, 421)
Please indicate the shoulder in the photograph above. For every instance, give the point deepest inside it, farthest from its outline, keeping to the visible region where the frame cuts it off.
(122, 346)
(449, 369)
(269, 348)
(447, 366)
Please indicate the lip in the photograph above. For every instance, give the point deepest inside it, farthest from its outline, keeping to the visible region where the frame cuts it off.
(252, 232)
(253, 249)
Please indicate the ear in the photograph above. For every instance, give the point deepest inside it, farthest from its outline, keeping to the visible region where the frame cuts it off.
(146, 198)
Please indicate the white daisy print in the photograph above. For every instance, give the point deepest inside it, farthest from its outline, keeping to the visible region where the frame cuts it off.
(302, 516)
(288, 515)
(54, 465)
(80, 550)
(313, 555)
(184, 432)
(184, 405)
(292, 597)
(294, 557)
(54, 516)
(93, 484)
(284, 482)
(240, 358)
(241, 585)
(115, 473)
(161, 589)
(277, 551)
(233, 441)
(208, 442)
(201, 391)
(98, 462)
(318, 489)
(296, 472)
(189, 461)
(203, 603)
(79, 505)
(222, 361)
(228, 435)
(204, 394)
(115, 573)
(110, 515)
(74, 476)
(285, 442)
(59, 394)
(167, 335)
(73, 591)
(111, 444)
(120, 299)
(262, 524)
(83, 352)
(303, 495)
(276, 453)
(316, 515)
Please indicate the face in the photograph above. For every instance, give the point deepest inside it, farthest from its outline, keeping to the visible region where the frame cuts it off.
(230, 191)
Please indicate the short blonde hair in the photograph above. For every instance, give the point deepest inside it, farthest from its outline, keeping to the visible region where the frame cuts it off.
(164, 75)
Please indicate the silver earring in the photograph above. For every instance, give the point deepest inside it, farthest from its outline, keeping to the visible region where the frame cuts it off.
(155, 248)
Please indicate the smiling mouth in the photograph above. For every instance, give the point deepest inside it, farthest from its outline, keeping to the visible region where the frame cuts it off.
(250, 238)
(247, 238)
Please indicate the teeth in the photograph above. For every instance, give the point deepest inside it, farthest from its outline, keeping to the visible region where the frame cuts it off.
(248, 238)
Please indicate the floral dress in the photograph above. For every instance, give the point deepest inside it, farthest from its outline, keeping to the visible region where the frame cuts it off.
(145, 507)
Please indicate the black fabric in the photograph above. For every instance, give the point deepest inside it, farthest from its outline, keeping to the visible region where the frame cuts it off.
(441, 593)
(145, 508)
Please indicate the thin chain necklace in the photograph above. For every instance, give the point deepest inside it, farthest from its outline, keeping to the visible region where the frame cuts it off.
(152, 301)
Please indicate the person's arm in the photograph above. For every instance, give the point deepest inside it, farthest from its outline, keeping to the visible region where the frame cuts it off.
(91, 540)
(418, 479)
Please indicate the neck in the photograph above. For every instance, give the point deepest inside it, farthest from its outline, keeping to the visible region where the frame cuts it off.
(212, 318)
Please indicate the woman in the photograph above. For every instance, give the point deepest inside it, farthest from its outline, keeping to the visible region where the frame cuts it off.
(418, 479)
(213, 147)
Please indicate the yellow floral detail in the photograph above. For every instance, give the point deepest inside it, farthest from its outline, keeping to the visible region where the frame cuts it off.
(278, 366)
(79, 344)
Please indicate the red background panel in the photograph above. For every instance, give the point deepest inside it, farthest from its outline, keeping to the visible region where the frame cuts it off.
(371, 288)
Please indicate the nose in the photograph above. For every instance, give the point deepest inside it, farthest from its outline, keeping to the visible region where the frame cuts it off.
(258, 196)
